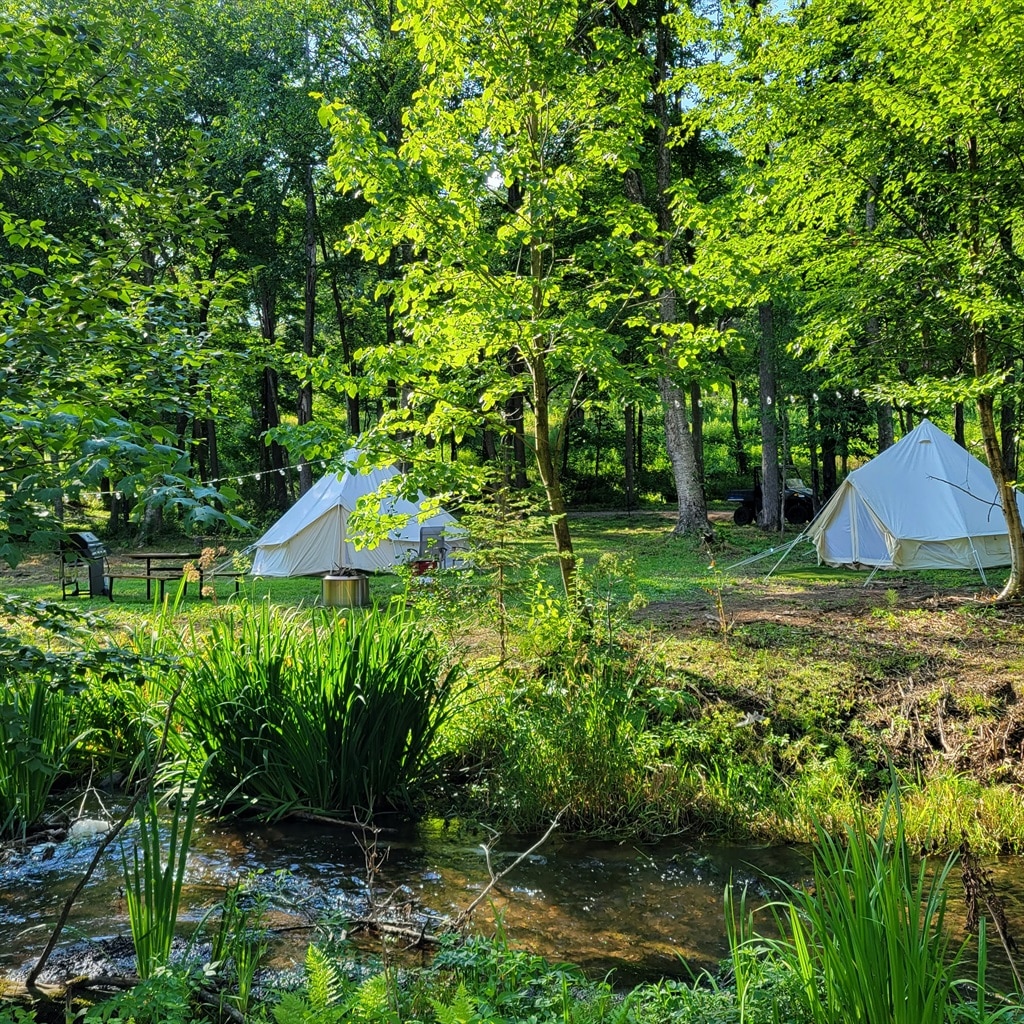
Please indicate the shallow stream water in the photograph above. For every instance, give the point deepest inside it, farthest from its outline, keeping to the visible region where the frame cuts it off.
(644, 911)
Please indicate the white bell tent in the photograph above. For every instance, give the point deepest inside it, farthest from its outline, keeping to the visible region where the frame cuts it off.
(313, 538)
(924, 503)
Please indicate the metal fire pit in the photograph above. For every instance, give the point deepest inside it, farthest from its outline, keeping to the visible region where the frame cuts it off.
(346, 591)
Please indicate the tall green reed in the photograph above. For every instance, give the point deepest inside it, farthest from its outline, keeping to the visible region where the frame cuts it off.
(35, 738)
(868, 941)
(154, 877)
(320, 715)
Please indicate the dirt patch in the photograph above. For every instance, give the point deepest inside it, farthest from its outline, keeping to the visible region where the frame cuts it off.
(933, 678)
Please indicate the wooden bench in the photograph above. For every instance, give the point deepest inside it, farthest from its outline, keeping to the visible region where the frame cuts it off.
(169, 575)
(149, 581)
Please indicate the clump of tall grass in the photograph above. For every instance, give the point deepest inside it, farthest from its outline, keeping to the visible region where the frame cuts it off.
(939, 812)
(951, 808)
(35, 738)
(154, 874)
(319, 714)
(868, 941)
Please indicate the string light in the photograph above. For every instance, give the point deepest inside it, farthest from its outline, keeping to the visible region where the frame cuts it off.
(236, 479)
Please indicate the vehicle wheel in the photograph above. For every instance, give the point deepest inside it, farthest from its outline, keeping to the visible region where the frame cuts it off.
(743, 516)
(799, 512)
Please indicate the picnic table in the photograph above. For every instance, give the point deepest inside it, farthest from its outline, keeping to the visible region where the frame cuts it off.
(161, 566)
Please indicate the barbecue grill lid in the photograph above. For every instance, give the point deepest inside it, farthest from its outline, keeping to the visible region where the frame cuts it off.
(87, 544)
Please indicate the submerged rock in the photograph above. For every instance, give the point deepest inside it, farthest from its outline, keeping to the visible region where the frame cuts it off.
(85, 829)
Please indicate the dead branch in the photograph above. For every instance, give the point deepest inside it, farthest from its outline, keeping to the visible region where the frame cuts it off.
(460, 922)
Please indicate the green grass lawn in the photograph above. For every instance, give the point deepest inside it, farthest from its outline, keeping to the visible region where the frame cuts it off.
(664, 567)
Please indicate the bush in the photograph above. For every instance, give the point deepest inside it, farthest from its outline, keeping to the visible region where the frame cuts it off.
(579, 740)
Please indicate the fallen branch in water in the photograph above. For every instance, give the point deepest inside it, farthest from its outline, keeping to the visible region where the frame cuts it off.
(463, 919)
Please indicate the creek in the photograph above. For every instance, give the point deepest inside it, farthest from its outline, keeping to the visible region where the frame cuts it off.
(644, 911)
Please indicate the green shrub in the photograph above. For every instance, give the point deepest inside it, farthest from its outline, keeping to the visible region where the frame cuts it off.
(322, 716)
(579, 740)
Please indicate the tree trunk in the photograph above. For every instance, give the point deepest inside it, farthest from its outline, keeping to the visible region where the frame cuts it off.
(58, 501)
(211, 445)
(629, 454)
(305, 404)
(515, 416)
(549, 475)
(738, 448)
(272, 480)
(828, 463)
(198, 449)
(692, 517)
(1008, 426)
(639, 445)
(697, 428)
(812, 448)
(771, 496)
(883, 412)
(886, 438)
(1013, 590)
(958, 424)
(277, 486)
(352, 400)
(490, 445)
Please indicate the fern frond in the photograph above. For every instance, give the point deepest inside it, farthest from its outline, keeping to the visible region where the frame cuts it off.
(462, 1011)
(372, 998)
(322, 979)
(292, 1009)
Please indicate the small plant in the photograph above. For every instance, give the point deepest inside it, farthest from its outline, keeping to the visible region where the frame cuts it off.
(167, 997)
(321, 1002)
(498, 526)
(716, 589)
(35, 738)
(239, 943)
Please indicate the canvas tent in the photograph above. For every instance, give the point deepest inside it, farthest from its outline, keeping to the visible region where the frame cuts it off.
(312, 537)
(924, 503)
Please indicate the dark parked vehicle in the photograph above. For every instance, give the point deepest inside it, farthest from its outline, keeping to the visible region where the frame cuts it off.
(797, 507)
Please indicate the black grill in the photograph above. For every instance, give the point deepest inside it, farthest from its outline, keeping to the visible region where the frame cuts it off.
(87, 545)
(83, 554)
